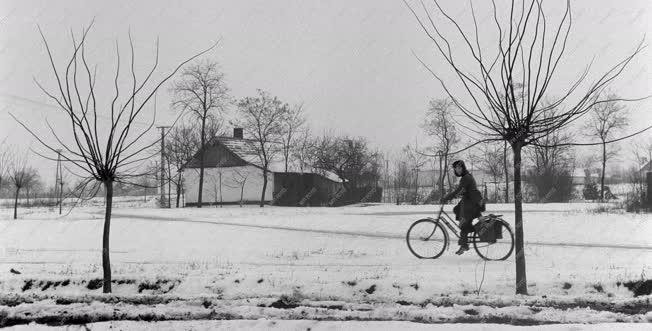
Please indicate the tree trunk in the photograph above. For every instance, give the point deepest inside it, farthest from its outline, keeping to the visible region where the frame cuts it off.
(106, 263)
(521, 279)
(201, 161)
(604, 165)
(241, 194)
(16, 203)
(178, 184)
(506, 173)
(287, 156)
(262, 195)
(169, 174)
(27, 195)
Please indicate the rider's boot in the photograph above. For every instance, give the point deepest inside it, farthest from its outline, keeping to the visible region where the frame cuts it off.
(463, 248)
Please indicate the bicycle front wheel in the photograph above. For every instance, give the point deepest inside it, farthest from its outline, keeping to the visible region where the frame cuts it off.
(499, 250)
(427, 238)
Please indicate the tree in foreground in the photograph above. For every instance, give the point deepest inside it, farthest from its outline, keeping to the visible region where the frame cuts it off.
(500, 83)
(102, 140)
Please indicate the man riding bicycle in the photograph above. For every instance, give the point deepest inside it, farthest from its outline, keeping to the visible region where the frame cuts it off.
(469, 207)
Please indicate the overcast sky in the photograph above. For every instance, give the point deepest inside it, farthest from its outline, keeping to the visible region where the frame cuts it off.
(350, 63)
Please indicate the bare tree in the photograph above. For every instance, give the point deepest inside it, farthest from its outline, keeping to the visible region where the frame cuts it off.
(348, 158)
(262, 117)
(440, 125)
(292, 123)
(606, 120)
(202, 92)
(216, 181)
(180, 149)
(303, 150)
(415, 161)
(642, 152)
(506, 170)
(401, 178)
(552, 165)
(5, 160)
(20, 176)
(148, 179)
(238, 180)
(492, 163)
(33, 185)
(637, 197)
(106, 153)
(527, 49)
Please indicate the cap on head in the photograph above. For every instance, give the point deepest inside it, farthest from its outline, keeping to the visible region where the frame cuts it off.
(460, 163)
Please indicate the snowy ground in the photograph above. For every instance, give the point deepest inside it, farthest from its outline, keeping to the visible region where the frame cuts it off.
(280, 265)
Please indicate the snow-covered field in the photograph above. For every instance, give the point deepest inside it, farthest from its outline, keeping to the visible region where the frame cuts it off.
(289, 265)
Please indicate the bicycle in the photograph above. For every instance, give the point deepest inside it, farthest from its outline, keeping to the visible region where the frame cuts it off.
(424, 234)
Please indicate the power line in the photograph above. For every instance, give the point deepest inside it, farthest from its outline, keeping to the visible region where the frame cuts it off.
(48, 105)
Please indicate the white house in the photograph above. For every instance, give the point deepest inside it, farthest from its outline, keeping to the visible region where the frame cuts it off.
(233, 173)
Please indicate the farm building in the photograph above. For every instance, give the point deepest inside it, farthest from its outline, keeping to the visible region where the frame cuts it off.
(233, 174)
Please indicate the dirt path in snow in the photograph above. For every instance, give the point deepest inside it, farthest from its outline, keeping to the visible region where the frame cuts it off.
(359, 233)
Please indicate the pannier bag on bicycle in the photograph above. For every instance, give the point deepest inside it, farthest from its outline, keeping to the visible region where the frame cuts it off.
(488, 230)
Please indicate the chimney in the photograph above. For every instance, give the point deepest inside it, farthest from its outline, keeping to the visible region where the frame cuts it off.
(237, 133)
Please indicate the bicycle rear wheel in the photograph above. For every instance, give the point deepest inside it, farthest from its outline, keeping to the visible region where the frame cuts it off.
(499, 250)
(427, 238)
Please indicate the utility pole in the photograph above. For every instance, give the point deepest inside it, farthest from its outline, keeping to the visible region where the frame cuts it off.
(163, 200)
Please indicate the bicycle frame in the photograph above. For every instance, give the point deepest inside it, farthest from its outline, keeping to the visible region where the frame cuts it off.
(452, 224)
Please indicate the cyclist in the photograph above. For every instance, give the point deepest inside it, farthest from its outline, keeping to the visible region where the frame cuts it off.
(469, 207)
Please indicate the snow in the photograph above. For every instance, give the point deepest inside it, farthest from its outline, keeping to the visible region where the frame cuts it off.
(264, 324)
(240, 261)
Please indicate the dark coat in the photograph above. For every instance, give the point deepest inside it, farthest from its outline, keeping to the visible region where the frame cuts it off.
(471, 204)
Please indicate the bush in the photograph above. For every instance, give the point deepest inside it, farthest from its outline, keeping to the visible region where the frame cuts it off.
(635, 201)
(551, 186)
(591, 191)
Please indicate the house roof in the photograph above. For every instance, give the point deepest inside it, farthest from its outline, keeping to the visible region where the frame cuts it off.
(245, 150)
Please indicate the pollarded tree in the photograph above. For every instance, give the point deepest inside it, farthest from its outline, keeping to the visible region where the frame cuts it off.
(202, 92)
(503, 81)
(101, 140)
